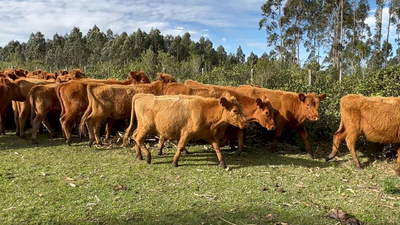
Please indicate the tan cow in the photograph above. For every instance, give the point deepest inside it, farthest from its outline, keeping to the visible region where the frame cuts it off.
(43, 99)
(74, 102)
(112, 101)
(377, 118)
(22, 109)
(9, 91)
(292, 110)
(183, 118)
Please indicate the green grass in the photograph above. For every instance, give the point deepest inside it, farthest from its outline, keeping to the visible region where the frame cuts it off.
(54, 183)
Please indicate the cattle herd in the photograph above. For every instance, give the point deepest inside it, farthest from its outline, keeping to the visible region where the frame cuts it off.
(183, 111)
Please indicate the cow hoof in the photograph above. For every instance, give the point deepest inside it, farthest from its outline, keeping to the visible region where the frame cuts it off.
(23, 137)
(90, 144)
(139, 157)
(310, 156)
(160, 153)
(222, 164)
(34, 142)
(238, 152)
(187, 152)
(174, 164)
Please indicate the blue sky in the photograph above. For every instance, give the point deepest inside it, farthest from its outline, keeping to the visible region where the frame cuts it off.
(227, 23)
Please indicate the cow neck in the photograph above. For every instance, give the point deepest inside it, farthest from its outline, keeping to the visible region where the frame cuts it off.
(298, 111)
(213, 114)
(159, 87)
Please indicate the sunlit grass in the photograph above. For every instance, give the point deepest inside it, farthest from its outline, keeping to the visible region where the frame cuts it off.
(56, 183)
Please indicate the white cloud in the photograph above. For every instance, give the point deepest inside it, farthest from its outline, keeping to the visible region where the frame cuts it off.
(21, 18)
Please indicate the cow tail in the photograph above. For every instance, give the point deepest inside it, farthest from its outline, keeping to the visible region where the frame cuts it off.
(32, 103)
(341, 127)
(133, 122)
(58, 93)
(82, 126)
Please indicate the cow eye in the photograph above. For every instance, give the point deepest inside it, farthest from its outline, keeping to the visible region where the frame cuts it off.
(308, 105)
(235, 111)
(267, 113)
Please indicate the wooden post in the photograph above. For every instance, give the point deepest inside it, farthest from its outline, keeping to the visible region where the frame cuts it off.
(309, 77)
(251, 75)
(84, 69)
(164, 70)
(202, 71)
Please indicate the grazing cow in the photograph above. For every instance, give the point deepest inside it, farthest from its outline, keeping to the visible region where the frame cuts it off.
(43, 99)
(22, 109)
(9, 91)
(256, 109)
(183, 118)
(74, 101)
(292, 110)
(375, 117)
(112, 101)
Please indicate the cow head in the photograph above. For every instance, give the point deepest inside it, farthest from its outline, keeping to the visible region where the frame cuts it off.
(63, 72)
(138, 77)
(14, 90)
(310, 105)
(51, 76)
(77, 74)
(264, 114)
(21, 72)
(166, 78)
(233, 111)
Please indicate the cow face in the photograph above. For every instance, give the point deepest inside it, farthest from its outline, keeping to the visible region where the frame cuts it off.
(233, 112)
(265, 113)
(139, 77)
(15, 91)
(166, 78)
(310, 105)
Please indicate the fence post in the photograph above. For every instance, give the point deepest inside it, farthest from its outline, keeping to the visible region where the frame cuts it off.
(164, 70)
(251, 75)
(84, 69)
(309, 77)
(202, 71)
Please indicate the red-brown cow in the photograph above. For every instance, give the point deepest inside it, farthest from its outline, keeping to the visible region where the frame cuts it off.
(112, 101)
(292, 110)
(74, 101)
(22, 109)
(43, 99)
(9, 91)
(375, 117)
(183, 118)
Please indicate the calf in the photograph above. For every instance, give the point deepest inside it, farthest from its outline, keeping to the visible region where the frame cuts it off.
(375, 117)
(43, 99)
(74, 101)
(22, 109)
(183, 118)
(9, 91)
(112, 101)
(292, 110)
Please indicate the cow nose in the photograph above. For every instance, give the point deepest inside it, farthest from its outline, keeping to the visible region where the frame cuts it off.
(273, 127)
(316, 118)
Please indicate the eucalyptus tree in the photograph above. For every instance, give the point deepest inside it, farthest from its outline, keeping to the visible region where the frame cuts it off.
(241, 57)
(74, 49)
(252, 59)
(35, 47)
(396, 13)
(55, 57)
(377, 56)
(221, 55)
(95, 42)
(156, 40)
(272, 12)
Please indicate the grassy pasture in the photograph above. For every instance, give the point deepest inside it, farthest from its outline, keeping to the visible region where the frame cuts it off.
(59, 184)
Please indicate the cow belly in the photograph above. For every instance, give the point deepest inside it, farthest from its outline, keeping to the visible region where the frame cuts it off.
(378, 134)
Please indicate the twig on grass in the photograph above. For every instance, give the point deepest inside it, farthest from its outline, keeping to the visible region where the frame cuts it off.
(226, 221)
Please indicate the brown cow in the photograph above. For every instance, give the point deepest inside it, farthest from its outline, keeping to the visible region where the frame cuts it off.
(183, 118)
(22, 109)
(375, 117)
(48, 76)
(256, 109)
(14, 73)
(9, 91)
(63, 72)
(74, 101)
(292, 110)
(139, 77)
(112, 101)
(43, 99)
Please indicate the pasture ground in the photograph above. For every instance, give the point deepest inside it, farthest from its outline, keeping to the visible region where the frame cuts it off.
(59, 184)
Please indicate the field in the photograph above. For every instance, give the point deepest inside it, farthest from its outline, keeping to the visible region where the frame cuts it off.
(59, 184)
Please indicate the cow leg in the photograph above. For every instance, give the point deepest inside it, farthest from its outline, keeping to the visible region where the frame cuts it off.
(240, 136)
(139, 136)
(90, 128)
(46, 124)
(303, 134)
(23, 117)
(215, 145)
(16, 117)
(277, 135)
(109, 127)
(351, 141)
(397, 168)
(338, 138)
(161, 143)
(96, 130)
(35, 127)
(128, 133)
(65, 121)
(181, 147)
(3, 120)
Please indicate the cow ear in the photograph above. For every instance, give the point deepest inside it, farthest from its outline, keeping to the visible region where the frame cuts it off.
(226, 94)
(322, 96)
(223, 101)
(302, 97)
(6, 81)
(56, 74)
(259, 102)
